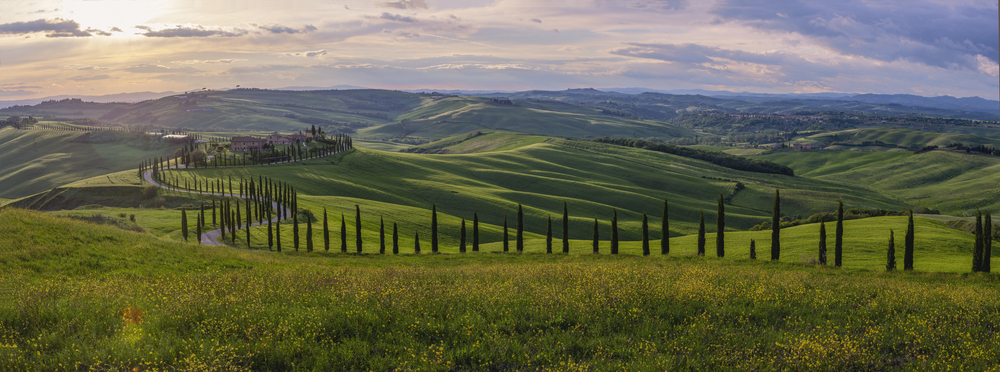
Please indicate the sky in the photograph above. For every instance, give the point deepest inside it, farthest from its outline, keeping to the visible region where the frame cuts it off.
(96, 47)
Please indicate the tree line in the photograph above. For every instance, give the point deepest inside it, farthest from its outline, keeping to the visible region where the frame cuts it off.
(715, 157)
(262, 193)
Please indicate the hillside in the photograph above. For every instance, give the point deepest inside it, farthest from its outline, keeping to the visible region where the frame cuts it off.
(952, 182)
(906, 138)
(456, 115)
(540, 174)
(32, 161)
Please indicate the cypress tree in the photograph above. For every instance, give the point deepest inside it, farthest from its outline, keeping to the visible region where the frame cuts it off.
(295, 230)
(239, 222)
(461, 241)
(416, 243)
(597, 237)
(381, 235)
(908, 249)
(326, 232)
(475, 232)
(753, 249)
(309, 234)
(222, 221)
(248, 229)
(988, 242)
(197, 227)
(201, 218)
(270, 231)
(664, 231)
(565, 228)
(343, 234)
(822, 242)
(645, 235)
(520, 229)
(395, 239)
(977, 250)
(357, 226)
(890, 256)
(184, 224)
(213, 213)
(776, 228)
(701, 234)
(506, 243)
(720, 233)
(548, 236)
(434, 229)
(838, 244)
(614, 231)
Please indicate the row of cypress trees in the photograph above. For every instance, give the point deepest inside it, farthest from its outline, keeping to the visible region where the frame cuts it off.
(981, 256)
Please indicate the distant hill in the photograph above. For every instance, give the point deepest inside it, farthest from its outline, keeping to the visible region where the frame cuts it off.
(119, 97)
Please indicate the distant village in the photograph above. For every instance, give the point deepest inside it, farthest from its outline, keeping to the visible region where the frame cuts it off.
(245, 143)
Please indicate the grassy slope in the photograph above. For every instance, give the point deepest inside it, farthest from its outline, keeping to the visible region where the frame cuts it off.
(36, 160)
(454, 116)
(590, 177)
(901, 137)
(207, 308)
(257, 110)
(954, 183)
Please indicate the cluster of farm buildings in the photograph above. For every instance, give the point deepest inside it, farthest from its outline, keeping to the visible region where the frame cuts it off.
(246, 143)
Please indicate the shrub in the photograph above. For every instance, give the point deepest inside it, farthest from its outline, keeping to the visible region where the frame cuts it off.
(150, 191)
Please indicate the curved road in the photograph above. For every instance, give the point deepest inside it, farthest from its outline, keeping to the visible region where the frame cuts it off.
(212, 237)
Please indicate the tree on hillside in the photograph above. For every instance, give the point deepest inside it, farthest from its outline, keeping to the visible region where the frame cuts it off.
(277, 234)
(213, 213)
(416, 242)
(520, 229)
(597, 237)
(822, 242)
(701, 234)
(908, 249)
(978, 247)
(475, 232)
(184, 224)
(395, 239)
(753, 249)
(838, 244)
(434, 229)
(343, 234)
(776, 228)
(506, 243)
(614, 231)
(890, 257)
(197, 228)
(988, 246)
(309, 234)
(645, 235)
(295, 229)
(461, 240)
(381, 235)
(720, 233)
(548, 236)
(201, 218)
(270, 231)
(326, 232)
(357, 226)
(664, 230)
(565, 228)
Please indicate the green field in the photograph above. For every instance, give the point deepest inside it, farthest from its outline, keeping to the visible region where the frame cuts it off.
(952, 182)
(32, 161)
(457, 115)
(102, 298)
(901, 137)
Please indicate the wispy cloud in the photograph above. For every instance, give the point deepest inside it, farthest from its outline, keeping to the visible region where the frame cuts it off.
(396, 17)
(404, 4)
(193, 31)
(57, 27)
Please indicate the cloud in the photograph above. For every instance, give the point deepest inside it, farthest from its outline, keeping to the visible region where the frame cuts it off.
(57, 27)
(396, 17)
(116, 29)
(659, 4)
(277, 29)
(91, 68)
(536, 20)
(309, 54)
(158, 69)
(694, 53)
(404, 4)
(317, 53)
(212, 61)
(939, 34)
(192, 31)
(89, 78)
(99, 32)
(408, 35)
(16, 92)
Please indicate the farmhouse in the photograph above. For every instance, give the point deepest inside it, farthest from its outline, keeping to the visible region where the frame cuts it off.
(246, 143)
(277, 139)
